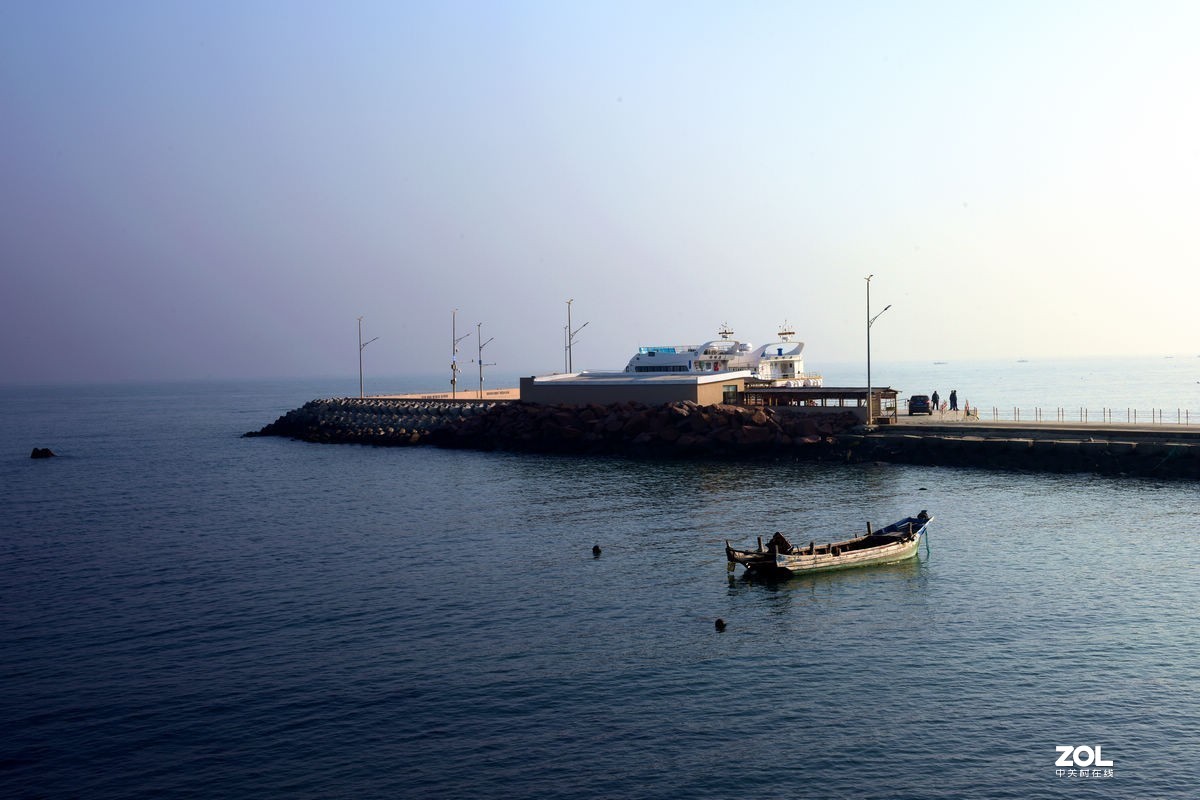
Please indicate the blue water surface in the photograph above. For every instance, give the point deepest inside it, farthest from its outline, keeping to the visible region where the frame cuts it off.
(187, 613)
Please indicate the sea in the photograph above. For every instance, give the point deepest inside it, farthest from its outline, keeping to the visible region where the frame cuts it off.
(186, 613)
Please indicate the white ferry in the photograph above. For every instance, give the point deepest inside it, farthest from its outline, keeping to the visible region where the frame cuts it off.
(780, 363)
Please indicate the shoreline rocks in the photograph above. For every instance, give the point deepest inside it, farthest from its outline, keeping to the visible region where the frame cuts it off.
(673, 429)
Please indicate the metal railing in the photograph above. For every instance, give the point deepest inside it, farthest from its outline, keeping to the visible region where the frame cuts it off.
(1081, 414)
(1109, 416)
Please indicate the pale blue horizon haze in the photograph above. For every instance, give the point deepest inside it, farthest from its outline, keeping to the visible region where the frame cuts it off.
(218, 190)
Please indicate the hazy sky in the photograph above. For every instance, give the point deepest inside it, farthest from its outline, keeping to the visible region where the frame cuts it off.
(218, 189)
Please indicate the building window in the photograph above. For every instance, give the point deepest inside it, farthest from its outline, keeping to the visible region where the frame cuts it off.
(663, 368)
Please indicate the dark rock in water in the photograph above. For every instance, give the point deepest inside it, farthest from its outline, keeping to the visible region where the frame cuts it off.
(596, 550)
(720, 624)
(42, 452)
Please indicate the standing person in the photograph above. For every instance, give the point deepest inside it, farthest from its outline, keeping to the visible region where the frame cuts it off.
(935, 401)
(954, 399)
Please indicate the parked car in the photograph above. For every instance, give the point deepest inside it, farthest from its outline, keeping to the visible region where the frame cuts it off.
(919, 404)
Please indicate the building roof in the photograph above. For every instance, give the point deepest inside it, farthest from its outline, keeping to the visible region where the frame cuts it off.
(639, 378)
(823, 391)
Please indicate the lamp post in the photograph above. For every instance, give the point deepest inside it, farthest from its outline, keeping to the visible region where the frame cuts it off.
(361, 345)
(455, 338)
(571, 336)
(870, 322)
(482, 344)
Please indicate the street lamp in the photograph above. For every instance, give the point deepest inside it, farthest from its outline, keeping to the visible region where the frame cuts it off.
(571, 336)
(361, 345)
(455, 338)
(870, 322)
(482, 344)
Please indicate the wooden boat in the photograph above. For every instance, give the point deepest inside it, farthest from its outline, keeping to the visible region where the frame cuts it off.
(896, 542)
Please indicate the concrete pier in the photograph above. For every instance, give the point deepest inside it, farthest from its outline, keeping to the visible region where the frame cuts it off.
(1113, 449)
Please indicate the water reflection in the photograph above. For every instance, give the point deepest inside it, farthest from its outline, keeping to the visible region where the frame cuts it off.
(911, 568)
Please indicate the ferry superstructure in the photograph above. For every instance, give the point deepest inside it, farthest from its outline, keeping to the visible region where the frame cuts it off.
(780, 362)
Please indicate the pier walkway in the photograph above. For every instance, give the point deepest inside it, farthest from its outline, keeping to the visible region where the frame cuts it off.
(1159, 450)
(1041, 429)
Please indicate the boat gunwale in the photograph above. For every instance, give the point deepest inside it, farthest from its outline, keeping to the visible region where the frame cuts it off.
(903, 545)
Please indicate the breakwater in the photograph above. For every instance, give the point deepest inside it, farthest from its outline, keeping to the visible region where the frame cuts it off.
(672, 429)
(380, 422)
(684, 429)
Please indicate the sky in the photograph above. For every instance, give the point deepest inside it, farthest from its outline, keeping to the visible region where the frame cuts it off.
(221, 189)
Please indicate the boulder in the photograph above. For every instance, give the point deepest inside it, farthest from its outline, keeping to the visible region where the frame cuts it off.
(752, 435)
(679, 410)
(669, 434)
(41, 452)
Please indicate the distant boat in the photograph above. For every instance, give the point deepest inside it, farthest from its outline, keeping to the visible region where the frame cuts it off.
(896, 542)
(1022, 360)
(939, 362)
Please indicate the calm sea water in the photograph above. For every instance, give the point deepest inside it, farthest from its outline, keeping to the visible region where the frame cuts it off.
(185, 613)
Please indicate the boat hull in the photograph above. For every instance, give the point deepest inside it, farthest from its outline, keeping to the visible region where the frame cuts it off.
(825, 562)
(897, 542)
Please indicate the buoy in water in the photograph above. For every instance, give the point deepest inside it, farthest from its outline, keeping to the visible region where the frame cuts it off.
(720, 624)
(595, 550)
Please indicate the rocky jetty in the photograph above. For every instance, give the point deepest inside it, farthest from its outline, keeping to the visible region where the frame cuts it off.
(371, 421)
(673, 429)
